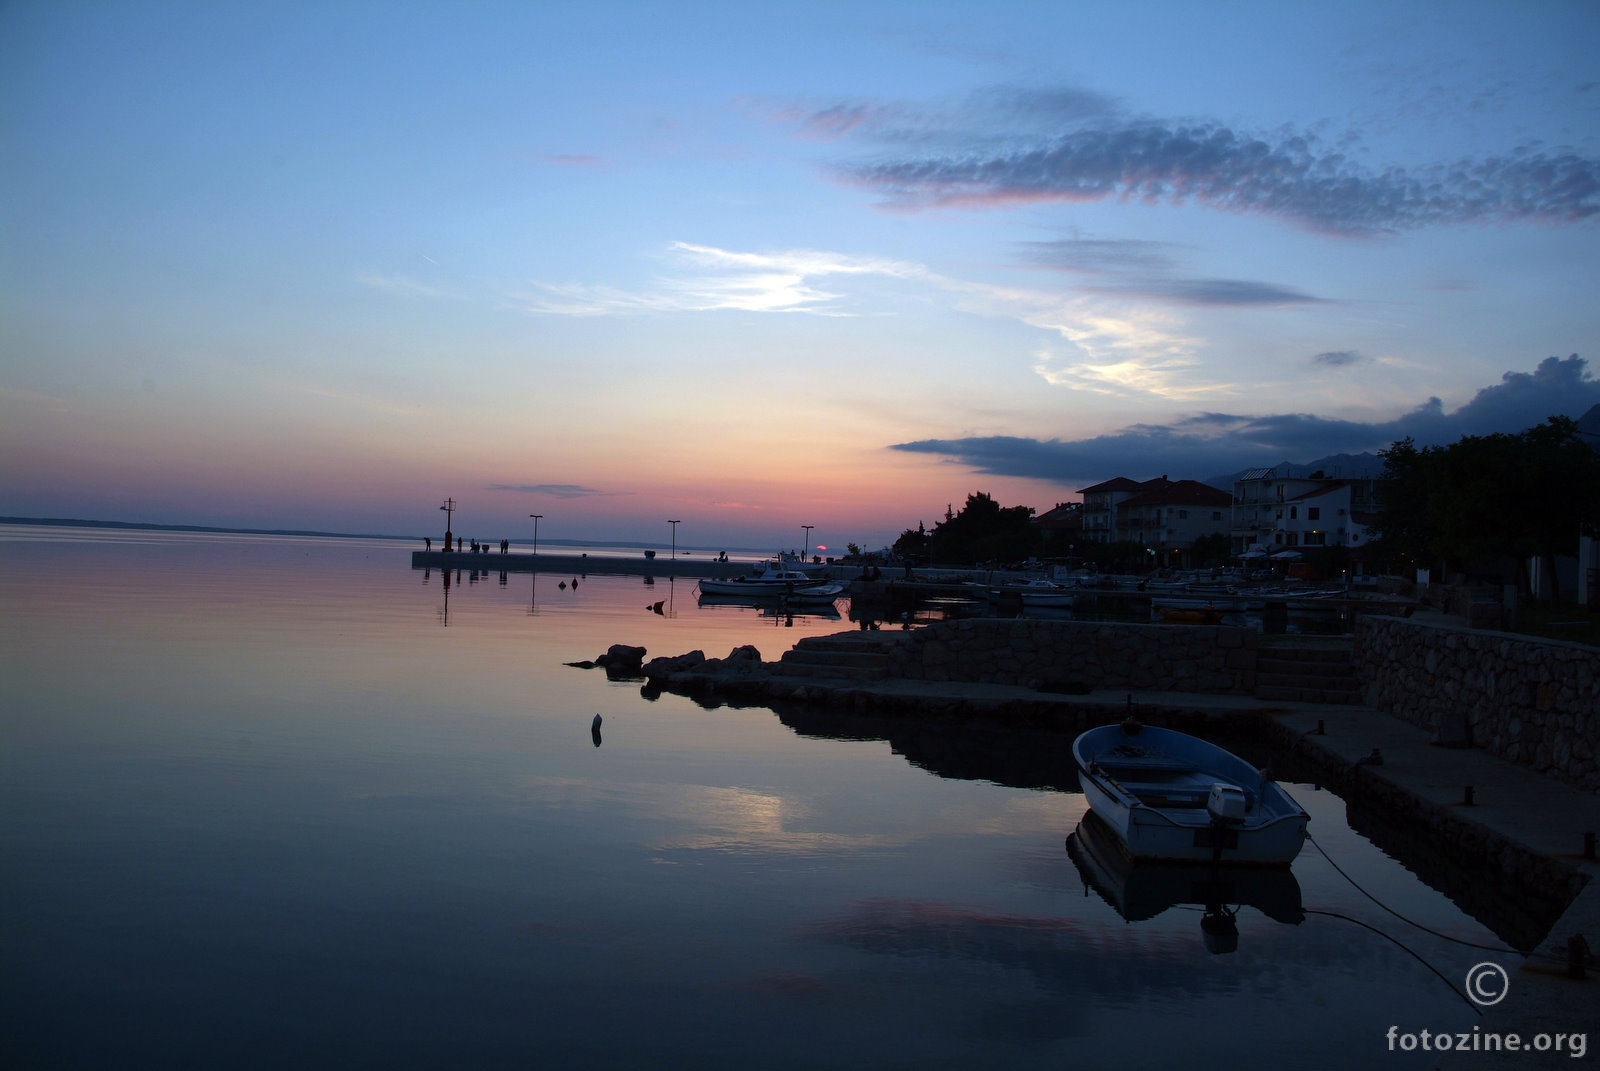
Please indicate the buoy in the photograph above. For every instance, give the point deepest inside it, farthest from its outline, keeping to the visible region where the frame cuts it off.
(596, 724)
(562, 585)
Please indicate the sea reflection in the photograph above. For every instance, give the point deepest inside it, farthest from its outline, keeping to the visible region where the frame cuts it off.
(259, 809)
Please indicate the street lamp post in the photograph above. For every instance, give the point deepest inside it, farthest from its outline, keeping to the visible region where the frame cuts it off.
(536, 517)
(449, 508)
(805, 547)
(674, 539)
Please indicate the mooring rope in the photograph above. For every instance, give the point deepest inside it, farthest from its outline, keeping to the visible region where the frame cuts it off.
(1402, 918)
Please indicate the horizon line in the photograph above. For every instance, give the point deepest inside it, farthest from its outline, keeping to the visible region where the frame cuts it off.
(80, 522)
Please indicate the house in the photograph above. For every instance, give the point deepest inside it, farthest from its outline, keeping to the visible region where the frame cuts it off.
(1336, 514)
(1274, 510)
(1171, 517)
(1061, 526)
(1100, 504)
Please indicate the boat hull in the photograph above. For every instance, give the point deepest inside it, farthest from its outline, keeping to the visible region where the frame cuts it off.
(1152, 808)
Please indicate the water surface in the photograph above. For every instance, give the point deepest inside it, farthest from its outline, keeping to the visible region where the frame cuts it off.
(264, 803)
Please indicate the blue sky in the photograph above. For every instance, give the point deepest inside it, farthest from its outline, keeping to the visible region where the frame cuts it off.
(758, 266)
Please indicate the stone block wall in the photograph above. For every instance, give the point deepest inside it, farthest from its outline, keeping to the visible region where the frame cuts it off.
(1532, 701)
(1090, 654)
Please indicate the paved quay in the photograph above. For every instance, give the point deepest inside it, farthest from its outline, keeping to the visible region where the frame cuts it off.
(1519, 817)
(577, 564)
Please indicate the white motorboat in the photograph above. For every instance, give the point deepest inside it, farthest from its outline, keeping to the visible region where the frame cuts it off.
(1169, 795)
(771, 578)
(1037, 592)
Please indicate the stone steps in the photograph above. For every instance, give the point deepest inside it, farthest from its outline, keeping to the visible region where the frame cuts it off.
(1307, 673)
(854, 656)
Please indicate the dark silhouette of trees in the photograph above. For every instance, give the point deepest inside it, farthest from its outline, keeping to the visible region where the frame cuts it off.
(1210, 550)
(1486, 498)
(982, 531)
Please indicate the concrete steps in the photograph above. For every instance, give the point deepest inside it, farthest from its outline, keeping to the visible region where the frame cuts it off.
(852, 656)
(1319, 672)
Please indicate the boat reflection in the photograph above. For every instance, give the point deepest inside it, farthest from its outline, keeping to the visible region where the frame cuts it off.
(1142, 890)
(783, 608)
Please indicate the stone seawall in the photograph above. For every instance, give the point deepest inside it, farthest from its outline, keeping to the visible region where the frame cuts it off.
(1535, 702)
(1080, 654)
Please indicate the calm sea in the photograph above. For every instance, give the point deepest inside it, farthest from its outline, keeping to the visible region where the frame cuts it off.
(272, 802)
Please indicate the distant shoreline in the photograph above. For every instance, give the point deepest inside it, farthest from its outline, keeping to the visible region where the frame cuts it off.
(75, 522)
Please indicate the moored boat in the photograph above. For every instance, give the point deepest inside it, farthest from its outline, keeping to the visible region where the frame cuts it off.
(1169, 795)
(1037, 592)
(771, 578)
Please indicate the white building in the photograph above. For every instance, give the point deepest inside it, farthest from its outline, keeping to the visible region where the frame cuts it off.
(1274, 510)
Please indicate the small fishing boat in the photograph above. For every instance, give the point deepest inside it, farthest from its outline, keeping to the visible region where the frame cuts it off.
(1169, 795)
(1224, 604)
(1036, 592)
(1188, 617)
(771, 578)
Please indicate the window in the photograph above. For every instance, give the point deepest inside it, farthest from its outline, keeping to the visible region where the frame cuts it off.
(1313, 513)
(1216, 515)
(1294, 512)
(1183, 515)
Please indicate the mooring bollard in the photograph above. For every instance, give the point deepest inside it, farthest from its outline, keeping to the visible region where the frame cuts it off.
(1577, 952)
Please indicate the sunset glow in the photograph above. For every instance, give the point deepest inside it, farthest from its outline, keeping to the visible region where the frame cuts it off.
(320, 267)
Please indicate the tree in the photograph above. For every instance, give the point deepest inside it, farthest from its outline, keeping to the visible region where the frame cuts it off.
(1485, 498)
(983, 531)
(1209, 550)
(913, 543)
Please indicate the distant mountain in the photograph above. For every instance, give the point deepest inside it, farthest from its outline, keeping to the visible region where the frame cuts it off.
(1334, 467)
(1589, 427)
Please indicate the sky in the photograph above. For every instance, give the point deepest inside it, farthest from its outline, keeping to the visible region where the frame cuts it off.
(760, 266)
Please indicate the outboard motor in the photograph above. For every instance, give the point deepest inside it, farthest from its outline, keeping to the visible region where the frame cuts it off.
(1226, 803)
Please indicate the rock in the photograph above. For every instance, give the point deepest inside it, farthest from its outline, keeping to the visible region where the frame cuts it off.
(621, 656)
(659, 668)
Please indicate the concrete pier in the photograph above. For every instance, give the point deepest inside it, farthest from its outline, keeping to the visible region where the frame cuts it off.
(571, 563)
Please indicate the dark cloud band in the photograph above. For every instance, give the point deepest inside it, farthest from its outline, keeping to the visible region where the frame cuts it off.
(1201, 446)
(1293, 177)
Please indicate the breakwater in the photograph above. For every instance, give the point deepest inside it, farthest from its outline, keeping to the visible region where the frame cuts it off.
(569, 564)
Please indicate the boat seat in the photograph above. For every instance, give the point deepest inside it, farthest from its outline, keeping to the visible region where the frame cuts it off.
(1136, 763)
(1166, 795)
